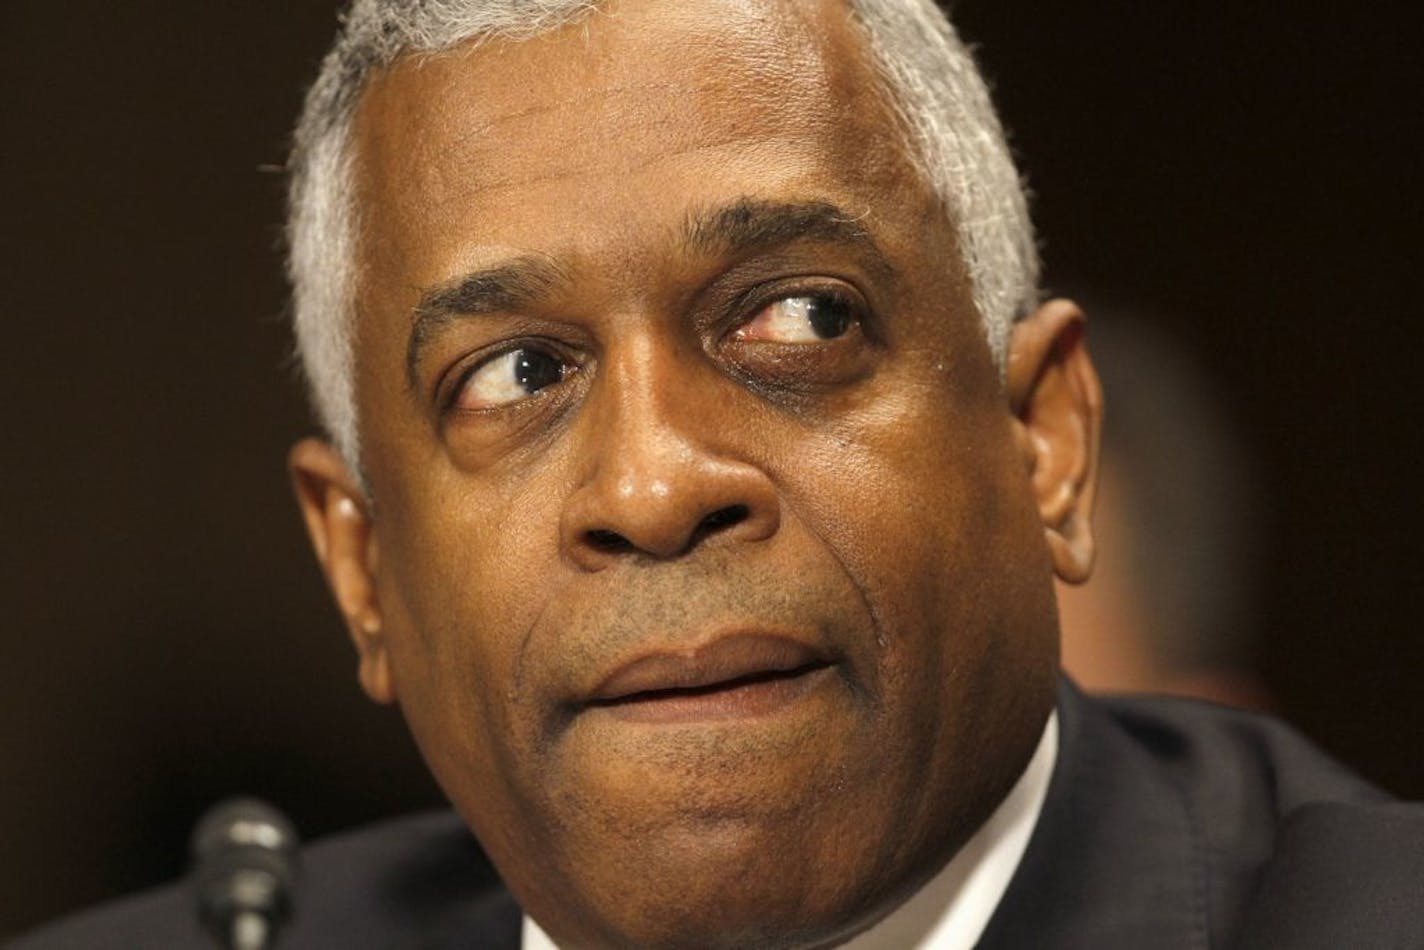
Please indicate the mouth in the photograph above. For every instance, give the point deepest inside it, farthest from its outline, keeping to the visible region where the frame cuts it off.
(741, 676)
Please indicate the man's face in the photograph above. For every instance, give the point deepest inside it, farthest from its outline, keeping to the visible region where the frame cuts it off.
(705, 564)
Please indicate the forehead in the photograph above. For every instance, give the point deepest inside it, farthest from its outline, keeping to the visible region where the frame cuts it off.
(636, 109)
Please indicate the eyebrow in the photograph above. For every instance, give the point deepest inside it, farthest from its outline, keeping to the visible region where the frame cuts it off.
(748, 224)
(508, 286)
(734, 229)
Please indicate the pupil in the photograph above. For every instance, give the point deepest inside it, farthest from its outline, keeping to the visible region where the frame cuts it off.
(829, 316)
(534, 370)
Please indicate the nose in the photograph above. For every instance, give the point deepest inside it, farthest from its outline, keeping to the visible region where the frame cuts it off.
(662, 473)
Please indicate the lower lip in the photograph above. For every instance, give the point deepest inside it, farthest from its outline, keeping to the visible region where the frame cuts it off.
(752, 700)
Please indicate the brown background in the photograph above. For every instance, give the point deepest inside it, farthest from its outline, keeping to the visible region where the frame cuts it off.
(1249, 170)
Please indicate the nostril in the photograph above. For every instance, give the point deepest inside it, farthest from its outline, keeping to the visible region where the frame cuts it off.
(609, 541)
(606, 541)
(722, 518)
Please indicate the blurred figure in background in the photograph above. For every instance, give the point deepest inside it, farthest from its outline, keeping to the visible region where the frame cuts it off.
(1171, 607)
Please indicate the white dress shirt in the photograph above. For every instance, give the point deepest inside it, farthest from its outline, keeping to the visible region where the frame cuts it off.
(952, 910)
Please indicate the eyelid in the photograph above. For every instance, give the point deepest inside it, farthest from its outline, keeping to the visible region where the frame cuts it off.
(756, 301)
(453, 382)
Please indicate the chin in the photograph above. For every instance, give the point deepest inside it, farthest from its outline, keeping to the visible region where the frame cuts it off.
(777, 870)
(731, 887)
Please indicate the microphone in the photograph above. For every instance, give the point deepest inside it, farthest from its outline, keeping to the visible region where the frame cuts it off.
(245, 868)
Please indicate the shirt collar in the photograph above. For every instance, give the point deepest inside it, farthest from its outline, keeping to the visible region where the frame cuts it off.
(952, 910)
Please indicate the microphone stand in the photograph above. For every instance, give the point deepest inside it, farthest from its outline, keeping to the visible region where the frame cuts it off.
(245, 871)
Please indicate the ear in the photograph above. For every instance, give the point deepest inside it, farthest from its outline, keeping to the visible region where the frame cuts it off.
(1057, 402)
(339, 520)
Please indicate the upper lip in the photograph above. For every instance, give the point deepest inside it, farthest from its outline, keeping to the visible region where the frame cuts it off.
(723, 659)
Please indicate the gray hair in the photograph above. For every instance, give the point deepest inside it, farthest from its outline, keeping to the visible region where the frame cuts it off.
(934, 86)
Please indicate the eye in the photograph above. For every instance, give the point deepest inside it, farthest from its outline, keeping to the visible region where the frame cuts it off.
(811, 318)
(510, 377)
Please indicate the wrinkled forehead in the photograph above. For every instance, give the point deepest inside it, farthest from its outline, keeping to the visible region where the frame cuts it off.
(628, 88)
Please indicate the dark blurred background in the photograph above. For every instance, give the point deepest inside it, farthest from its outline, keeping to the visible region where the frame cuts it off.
(1245, 174)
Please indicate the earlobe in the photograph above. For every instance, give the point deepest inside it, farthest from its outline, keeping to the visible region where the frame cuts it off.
(1058, 403)
(339, 522)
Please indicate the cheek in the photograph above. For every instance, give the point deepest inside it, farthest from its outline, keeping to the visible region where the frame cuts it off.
(466, 562)
(463, 581)
(934, 517)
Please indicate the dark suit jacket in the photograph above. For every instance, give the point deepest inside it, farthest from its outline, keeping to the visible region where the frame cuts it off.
(1168, 824)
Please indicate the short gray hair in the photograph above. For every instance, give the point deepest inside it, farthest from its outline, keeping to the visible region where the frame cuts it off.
(935, 88)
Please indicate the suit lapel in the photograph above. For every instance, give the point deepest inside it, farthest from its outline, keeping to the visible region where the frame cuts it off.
(495, 922)
(1114, 860)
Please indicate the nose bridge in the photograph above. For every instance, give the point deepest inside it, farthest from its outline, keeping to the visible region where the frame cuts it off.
(642, 416)
(661, 474)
